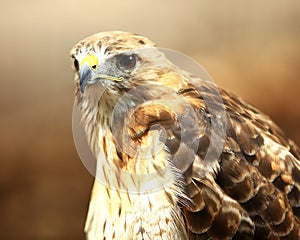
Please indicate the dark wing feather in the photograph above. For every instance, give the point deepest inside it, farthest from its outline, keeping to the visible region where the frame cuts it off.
(259, 171)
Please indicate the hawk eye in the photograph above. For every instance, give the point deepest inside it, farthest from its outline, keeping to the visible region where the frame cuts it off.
(126, 62)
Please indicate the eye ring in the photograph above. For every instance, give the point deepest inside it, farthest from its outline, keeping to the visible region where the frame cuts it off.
(126, 62)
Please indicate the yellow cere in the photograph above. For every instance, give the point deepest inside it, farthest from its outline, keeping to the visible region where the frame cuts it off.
(92, 60)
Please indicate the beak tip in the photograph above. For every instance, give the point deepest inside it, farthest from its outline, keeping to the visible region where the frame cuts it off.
(82, 89)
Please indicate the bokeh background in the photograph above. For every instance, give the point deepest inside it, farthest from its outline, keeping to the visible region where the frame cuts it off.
(251, 48)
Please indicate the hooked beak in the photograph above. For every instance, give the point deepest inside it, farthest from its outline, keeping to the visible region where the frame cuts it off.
(88, 76)
(85, 74)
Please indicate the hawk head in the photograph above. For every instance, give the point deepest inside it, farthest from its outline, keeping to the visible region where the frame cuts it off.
(116, 61)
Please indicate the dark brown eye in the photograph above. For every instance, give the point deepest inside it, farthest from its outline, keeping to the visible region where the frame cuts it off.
(126, 62)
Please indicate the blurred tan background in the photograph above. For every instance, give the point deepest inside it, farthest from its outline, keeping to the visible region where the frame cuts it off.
(250, 48)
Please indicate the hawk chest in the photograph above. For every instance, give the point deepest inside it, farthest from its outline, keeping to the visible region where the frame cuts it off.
(123, 215)
(130, 203)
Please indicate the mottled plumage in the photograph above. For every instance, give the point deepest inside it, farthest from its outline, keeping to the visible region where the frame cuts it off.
(161, 175)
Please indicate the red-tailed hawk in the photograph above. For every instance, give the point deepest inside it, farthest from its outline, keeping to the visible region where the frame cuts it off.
(178, 158)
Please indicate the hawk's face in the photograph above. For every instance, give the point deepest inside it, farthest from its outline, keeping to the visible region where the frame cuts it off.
(117, 63)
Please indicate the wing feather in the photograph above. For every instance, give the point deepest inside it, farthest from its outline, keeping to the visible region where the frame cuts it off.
(251, 190)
